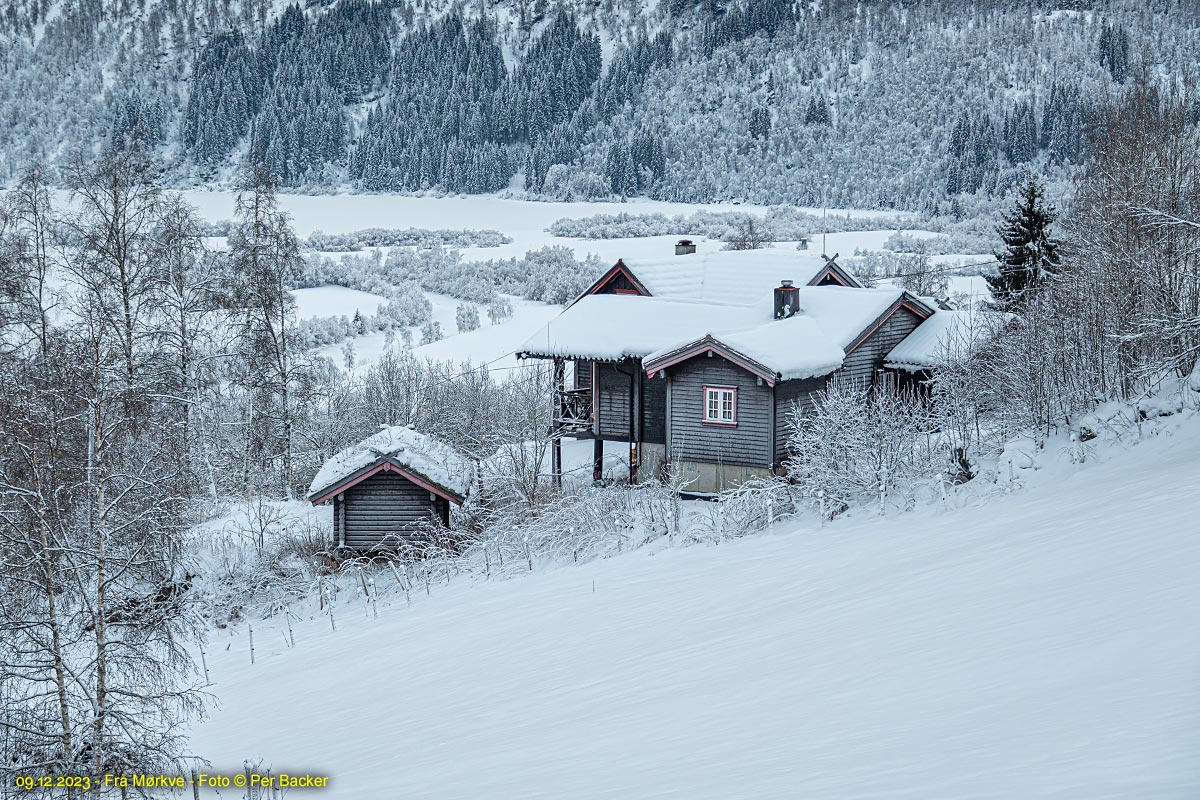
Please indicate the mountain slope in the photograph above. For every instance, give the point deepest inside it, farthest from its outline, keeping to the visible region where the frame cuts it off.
(1039, 645)
(922, 106)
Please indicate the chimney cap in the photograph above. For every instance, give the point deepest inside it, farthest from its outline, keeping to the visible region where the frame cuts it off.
(685, 241)
(785, 284)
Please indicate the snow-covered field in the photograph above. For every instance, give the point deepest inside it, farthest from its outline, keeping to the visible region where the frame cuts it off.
(335, 301)
(525, 221)
(1037, 644)
(490, 344)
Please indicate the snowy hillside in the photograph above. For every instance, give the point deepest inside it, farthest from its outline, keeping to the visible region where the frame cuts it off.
(923, 106)
(1037, 643)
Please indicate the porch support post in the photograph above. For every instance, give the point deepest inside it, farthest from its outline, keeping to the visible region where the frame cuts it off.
(556, 431)
(597, 458)
(635, 418)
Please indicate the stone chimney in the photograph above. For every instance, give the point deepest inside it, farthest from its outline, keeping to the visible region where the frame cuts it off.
(787, 300)
(684, 247)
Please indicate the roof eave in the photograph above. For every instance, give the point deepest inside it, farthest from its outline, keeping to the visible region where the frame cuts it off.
(694, 349)
(383, 464)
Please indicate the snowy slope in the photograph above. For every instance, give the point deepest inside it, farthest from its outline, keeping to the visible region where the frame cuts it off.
(1040, 645)
(490, 344)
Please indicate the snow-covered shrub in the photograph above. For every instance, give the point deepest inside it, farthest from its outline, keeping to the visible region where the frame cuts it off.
(857, 446)
(554, 275)
(402, 237)
(499, 310)
(902, 242)
(466, 317)
(406, 305)
(264, 554)
(784, 224)
(431, 332)
(748, 234)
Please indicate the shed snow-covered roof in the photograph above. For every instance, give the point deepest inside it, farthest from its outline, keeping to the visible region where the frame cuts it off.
(946, 334)
(433, 462)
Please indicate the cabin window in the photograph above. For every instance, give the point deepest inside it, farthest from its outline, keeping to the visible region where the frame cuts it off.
(720, 405)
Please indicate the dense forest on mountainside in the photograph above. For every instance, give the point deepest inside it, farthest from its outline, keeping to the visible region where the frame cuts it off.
(912, 105)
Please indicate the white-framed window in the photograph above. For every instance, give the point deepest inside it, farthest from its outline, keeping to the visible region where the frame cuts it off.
(720, 405)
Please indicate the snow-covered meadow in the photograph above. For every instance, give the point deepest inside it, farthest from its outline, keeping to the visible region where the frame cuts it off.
(1035, 639)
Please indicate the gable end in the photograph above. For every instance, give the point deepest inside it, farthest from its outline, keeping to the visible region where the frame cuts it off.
(618, 280)
(906, 302)
(833, 275)
(383, 465)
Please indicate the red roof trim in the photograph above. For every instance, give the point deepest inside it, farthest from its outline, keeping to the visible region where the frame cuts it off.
(386, 466)
(828, 272)
(905, 301)
(619, 269)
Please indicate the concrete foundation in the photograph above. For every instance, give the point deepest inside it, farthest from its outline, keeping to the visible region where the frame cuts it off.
(708, 478)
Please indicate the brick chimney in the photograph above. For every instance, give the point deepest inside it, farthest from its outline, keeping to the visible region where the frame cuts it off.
(684, 247)
(787, 300)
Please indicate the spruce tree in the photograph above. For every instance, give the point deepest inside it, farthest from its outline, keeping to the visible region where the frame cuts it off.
(1030, 256)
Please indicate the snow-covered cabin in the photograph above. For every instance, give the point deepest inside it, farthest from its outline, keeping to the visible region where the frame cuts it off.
(389, 486)
(698, 360)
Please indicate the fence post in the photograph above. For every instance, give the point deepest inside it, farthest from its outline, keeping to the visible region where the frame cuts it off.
(882, 490)
(204, 663)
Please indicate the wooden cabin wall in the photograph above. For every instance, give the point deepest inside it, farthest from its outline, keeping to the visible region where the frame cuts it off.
(613, 387)
(789, 394)
(385, 504)
(692, 440)
(859, 367)
(581, 374)
(654, 410)
(612, 399)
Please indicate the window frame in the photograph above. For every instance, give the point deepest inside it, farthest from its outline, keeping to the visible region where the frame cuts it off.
(722, 392)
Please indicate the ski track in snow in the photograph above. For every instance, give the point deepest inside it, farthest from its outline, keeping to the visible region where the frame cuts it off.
(1042, 644)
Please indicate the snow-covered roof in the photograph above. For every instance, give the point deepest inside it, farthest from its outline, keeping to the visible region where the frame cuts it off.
(609, 327)
(431, 459)
(810, 343)
(946, 334)
(737, 277)
(722, 301)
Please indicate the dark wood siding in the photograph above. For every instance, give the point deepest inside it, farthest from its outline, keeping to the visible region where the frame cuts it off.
(612, 397)
(749, 443)
(789, 394)
(654, 410)
(384, 506)
(613, 384)
(583, 374)
(859, 366)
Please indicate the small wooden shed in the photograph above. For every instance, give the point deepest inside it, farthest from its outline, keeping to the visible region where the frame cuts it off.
(389, 486)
